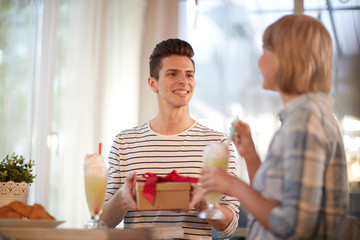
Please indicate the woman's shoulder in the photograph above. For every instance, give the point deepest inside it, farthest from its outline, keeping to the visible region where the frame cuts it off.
(307, 106)
(316, 116)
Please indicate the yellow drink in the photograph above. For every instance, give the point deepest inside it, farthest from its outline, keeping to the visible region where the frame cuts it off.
(96, 174)
(95, 187)
(215, 155)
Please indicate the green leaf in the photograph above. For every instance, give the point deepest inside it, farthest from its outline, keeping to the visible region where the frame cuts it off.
(16, 169)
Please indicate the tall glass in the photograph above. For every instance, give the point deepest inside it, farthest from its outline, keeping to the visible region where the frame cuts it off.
(95, 187)
(214, 155)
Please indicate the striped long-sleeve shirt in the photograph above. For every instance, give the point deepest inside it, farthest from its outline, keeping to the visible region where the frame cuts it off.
(305, 173)
(142, 150)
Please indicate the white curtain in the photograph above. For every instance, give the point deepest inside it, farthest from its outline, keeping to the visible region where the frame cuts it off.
(101, 96)
(69, 78)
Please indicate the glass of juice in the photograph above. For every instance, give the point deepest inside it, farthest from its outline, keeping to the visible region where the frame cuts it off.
(214, 155)
(95, 172)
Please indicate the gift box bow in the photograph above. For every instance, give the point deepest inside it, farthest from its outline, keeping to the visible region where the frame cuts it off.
(152, 179)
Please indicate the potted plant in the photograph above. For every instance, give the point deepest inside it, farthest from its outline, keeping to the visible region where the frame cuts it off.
(15, 178)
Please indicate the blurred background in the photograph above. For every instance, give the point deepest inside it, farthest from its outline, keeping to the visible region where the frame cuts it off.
(73, 73)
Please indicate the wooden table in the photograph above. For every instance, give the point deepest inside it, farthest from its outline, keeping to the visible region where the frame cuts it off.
(86, 234)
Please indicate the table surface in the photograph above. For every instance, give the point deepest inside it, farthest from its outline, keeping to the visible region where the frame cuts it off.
(98, 234)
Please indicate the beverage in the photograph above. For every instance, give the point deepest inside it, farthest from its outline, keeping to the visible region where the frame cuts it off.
(95, 187)
(214, 155)
(95, 173)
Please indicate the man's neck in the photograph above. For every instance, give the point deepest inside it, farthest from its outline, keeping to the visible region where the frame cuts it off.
(172, 122)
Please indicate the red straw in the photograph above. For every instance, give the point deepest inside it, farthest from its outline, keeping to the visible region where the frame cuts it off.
(99, 148)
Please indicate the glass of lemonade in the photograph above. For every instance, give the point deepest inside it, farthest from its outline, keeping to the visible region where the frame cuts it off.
(214, 155)
(95, 172)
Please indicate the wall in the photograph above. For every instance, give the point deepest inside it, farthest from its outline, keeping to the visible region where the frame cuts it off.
(160, 24)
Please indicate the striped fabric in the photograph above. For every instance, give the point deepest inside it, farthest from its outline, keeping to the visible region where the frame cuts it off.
(142, 150)
(305, 173)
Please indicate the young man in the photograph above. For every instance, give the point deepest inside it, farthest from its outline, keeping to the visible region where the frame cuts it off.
(170, 141)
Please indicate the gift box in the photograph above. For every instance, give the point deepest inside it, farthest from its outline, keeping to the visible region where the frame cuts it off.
(161, 193)
(168, 195)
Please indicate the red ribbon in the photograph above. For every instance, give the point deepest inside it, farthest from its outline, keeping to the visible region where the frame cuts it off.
(153, 179)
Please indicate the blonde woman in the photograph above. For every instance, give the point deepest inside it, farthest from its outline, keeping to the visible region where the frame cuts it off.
(300, 190)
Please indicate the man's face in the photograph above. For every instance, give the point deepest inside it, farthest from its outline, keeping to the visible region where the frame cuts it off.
(176, 81)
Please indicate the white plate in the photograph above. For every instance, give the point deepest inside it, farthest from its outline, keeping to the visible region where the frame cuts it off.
(29, 223)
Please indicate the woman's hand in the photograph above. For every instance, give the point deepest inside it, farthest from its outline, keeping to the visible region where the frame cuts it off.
(242, 139)
(214, 179)
(246, 147)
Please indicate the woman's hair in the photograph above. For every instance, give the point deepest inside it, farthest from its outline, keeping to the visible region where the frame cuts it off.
(304, 50)
(172, 46)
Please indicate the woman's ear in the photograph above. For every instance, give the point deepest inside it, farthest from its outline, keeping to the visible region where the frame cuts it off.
(153, 84)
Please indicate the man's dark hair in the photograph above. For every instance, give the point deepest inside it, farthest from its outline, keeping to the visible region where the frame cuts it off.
(172, 46)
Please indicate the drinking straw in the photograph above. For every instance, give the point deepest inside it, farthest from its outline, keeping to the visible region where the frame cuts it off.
(99, 148)
(232, 130)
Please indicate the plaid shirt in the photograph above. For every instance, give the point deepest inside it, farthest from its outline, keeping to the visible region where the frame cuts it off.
(304, 172)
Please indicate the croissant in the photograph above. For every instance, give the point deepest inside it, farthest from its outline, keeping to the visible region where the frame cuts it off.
(8, 212)
(19, 210)
(39, 212)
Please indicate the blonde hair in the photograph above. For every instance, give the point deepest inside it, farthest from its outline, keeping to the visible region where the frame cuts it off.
(304, 50)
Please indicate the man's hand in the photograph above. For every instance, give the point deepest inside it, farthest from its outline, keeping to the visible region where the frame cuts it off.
(197, 198)
(128, 190)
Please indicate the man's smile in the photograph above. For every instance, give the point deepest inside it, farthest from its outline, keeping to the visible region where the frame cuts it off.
(182, 92)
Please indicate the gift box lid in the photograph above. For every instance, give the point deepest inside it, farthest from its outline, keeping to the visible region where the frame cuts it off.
(165, 186)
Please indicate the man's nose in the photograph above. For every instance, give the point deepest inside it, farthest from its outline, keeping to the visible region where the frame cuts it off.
(182, 79)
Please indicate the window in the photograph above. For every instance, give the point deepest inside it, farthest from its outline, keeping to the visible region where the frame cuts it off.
(64, 68)
(227, 40)
(18, 27)
(341, 18)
